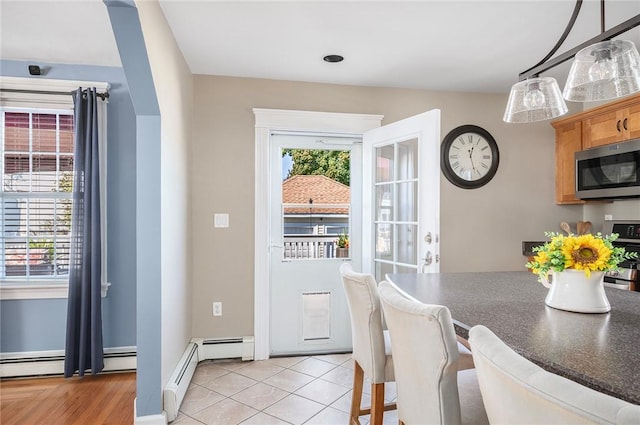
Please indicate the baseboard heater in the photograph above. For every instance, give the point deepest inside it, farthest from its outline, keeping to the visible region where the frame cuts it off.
(175, 390)
(44, 363)
(197, 350)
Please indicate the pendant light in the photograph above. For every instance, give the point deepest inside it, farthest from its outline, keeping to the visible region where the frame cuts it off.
(535, 99)
(605, 69)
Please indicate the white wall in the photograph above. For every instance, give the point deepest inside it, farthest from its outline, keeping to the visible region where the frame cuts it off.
(174, 86)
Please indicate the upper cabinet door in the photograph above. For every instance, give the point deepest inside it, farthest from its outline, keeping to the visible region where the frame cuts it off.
(612, 126)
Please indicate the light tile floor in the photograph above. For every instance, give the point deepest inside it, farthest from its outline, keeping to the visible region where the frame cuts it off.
(313, 390)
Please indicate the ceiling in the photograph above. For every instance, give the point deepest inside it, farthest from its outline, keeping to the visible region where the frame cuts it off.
(469, 46)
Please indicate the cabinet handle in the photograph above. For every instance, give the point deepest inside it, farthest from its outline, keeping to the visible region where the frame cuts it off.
(624, 124)
(618, 126)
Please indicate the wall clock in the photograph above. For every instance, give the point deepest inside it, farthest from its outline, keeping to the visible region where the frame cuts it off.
(469, 156)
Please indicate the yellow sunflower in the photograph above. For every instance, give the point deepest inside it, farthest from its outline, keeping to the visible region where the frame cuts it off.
(540, 259)
(585, 253)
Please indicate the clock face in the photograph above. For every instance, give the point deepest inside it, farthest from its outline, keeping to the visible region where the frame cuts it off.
(470, 156)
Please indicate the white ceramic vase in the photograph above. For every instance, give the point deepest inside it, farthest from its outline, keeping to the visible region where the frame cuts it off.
(572, 290)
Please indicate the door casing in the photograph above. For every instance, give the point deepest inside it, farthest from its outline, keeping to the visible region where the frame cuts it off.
(268, 121)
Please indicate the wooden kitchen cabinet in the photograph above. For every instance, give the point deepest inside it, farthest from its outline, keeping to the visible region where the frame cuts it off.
(611, 127)
(611, 123)
(568, 142)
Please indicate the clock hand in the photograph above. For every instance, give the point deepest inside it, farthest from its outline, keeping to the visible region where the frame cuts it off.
(471, 159)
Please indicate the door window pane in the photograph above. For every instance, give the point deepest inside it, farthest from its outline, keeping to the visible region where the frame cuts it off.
(407, 205)
(382, 269)
(384, 202)
(384, 241)
(408, 160)
(407, 242)
(316, 204)
(384, 164)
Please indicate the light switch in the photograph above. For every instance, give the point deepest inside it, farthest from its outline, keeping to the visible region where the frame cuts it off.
(221, 220)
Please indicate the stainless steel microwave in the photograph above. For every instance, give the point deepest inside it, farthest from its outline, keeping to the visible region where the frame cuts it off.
(609, 172)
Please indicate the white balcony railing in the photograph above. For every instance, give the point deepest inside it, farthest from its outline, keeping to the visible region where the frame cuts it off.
(309, 247)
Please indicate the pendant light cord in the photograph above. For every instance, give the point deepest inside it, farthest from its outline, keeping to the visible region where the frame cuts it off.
(601, 16)
(563, 37)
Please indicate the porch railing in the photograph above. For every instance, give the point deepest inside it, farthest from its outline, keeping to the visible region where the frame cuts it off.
(310, 247)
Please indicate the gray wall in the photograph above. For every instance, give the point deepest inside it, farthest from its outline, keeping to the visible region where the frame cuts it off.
(35, 325)
(481, 230)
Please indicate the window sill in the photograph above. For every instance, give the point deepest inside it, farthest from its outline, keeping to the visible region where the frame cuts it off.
(12, 290)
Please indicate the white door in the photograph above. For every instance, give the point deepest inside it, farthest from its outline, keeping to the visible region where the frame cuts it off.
(401, 196)
(308, 309)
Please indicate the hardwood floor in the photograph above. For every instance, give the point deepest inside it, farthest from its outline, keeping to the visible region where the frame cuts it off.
(91, 400)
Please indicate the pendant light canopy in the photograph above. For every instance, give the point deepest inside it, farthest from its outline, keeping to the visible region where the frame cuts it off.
(603, 69)
(606, 70)
(535, 99)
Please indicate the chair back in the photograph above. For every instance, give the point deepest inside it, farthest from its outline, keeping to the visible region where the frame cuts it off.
(366, 322)
(425, 355)
(516, 391)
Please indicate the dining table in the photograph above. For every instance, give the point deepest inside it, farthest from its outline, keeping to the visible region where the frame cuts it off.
(598, 350)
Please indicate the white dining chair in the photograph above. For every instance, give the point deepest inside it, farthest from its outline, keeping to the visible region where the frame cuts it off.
(371, 348)
(431, 390)
(517, 391)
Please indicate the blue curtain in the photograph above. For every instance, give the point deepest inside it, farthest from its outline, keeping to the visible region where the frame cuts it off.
(84, 350)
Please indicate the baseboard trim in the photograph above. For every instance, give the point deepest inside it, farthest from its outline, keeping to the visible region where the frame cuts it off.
(225, 348)
(197, 350)
(159, 419)
(43, 363)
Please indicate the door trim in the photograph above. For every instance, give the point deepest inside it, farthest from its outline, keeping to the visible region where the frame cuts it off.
(268, 121)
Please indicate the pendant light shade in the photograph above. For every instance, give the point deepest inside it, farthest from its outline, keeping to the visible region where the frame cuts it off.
(603, 71)
(535, 99)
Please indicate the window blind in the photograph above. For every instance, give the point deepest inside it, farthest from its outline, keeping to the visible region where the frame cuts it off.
(35, 197)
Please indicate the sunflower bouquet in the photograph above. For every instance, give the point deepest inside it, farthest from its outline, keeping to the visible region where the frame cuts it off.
(580, 252)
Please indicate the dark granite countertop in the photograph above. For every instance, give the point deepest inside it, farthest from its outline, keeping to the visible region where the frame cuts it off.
(600, 351)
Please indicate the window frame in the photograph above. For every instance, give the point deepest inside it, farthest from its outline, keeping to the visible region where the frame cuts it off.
(38, 288)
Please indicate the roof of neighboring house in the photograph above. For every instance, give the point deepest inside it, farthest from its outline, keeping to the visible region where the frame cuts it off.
(323, 190)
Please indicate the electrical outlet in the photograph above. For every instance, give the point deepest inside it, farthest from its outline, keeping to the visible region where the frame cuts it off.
(217, 308)
(608, 217)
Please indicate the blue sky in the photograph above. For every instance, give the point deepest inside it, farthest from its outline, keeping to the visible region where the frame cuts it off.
(287, 163)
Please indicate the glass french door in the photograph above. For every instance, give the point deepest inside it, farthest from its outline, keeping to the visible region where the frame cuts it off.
(401, 196)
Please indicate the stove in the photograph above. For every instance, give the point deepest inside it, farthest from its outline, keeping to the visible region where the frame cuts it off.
(628, 276)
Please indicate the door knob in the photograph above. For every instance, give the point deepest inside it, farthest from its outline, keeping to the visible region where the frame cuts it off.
(428, 259)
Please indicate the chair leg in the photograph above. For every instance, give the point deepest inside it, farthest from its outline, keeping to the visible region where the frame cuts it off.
(464, 342)
(377, 403)
(356, 396)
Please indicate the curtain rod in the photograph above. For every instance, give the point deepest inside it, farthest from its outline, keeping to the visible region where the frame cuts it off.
(103, 96)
